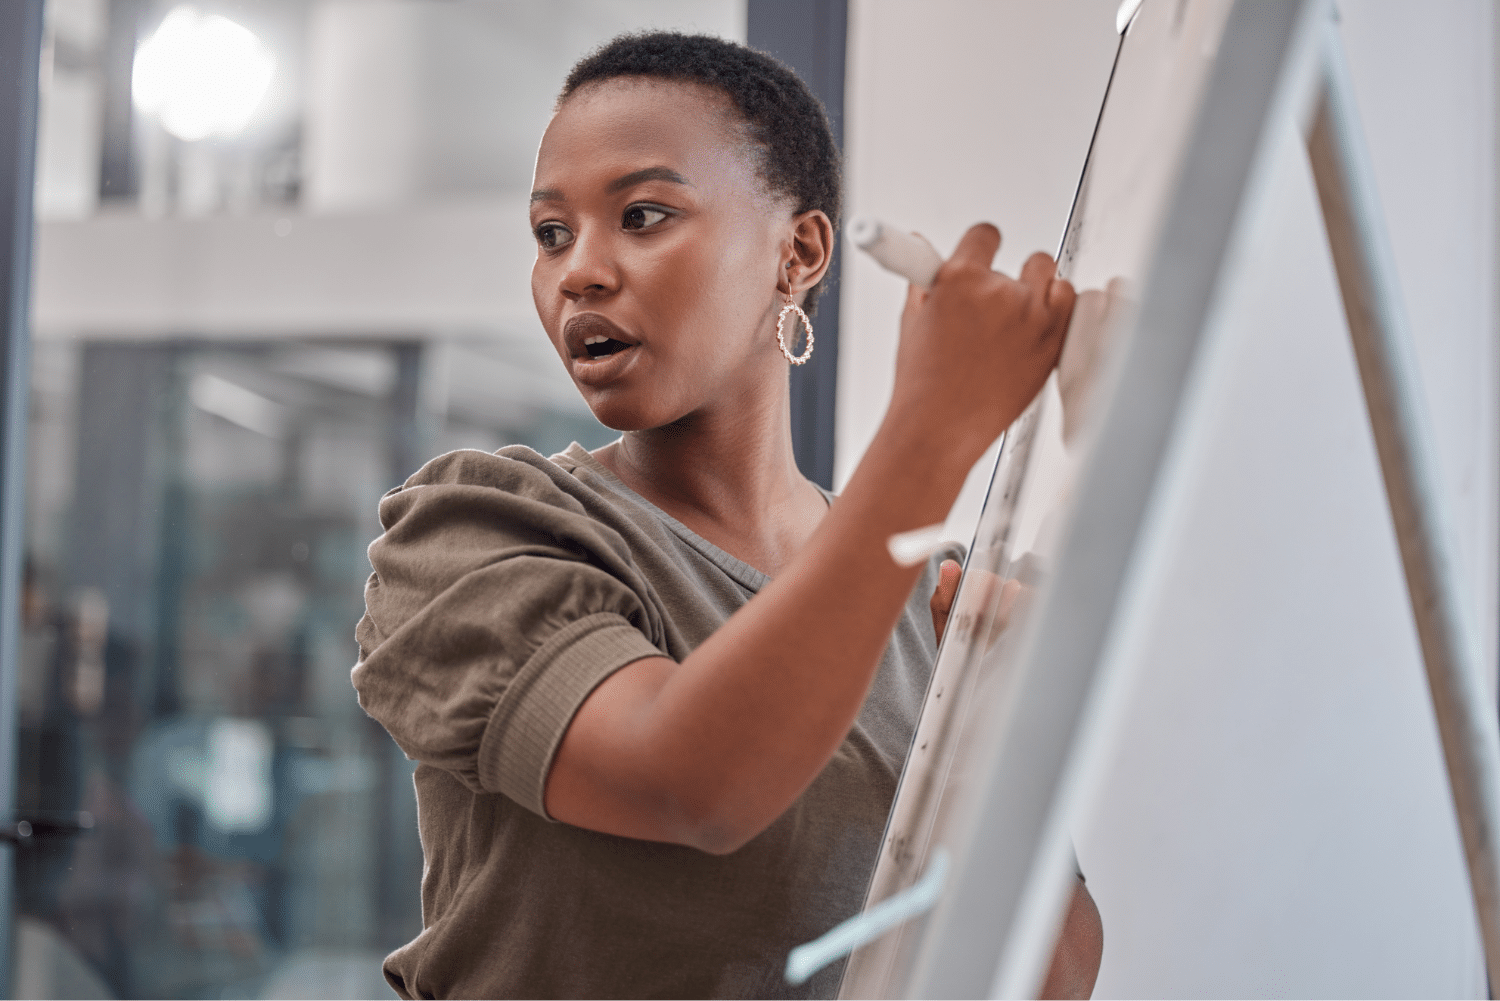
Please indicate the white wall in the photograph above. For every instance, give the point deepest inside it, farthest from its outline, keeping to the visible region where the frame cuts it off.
(1276, 820)
(956, 112)
(412, 270)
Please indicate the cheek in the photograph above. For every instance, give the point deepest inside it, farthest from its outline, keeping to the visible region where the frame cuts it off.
(717, 299)
(548, 306)
(543, 302)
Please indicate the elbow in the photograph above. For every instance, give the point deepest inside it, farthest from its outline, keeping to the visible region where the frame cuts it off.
(716, 823)
(723, 841)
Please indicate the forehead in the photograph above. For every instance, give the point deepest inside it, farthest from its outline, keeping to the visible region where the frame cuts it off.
(619, 125)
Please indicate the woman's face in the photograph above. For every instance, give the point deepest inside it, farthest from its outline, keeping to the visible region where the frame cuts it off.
(658, 252)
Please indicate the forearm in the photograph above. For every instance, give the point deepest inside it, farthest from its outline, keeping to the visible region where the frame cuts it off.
(710, 751)
(753, 715)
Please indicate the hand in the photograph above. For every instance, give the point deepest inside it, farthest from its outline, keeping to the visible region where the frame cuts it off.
(1080, 948)
(977, 346)
(978, 601)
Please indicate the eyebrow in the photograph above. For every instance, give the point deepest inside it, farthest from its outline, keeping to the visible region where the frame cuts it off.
(629, 180)
(649, 174)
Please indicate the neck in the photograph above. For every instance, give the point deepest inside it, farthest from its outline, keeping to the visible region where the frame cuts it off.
(732, 463)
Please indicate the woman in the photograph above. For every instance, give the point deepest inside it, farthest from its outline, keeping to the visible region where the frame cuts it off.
(660, 694)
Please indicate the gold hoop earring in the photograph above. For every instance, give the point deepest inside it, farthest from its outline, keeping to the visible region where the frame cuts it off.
(781, 333)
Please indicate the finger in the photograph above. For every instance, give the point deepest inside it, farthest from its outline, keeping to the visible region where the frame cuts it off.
(942, 596)
(914, 298)
(981, 591)
(1009, 592)
(978, 246)
(939, 625)
(1038, 271)
(1059, 292)
(1061, 299)
(947, 587)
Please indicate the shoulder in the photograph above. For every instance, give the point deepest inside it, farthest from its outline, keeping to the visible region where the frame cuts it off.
(478, 516)
(514, 487)
(515, 470)
(468, 508)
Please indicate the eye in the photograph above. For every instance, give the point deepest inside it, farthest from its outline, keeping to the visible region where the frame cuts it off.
(642, 217)
(553, 236)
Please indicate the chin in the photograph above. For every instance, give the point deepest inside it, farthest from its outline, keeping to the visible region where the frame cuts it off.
(619, 412)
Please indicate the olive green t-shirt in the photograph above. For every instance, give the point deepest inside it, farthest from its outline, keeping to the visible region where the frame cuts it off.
(506, 587)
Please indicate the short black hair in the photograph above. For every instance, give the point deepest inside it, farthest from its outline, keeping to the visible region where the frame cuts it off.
(799, 157)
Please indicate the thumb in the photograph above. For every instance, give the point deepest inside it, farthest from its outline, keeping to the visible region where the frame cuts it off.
(947, 587)
(942, 596)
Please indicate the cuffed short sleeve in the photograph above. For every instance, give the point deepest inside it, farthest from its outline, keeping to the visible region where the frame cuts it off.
(497, 605)
(529, 721)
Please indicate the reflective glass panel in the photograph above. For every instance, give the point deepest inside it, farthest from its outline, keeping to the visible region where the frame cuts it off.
(282, 260)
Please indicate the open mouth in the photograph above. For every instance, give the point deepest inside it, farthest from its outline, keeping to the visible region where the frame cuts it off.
(602, 347)
(591, 337)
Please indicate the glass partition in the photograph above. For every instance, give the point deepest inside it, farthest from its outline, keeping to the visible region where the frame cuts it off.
(250, 324)
(199, 518)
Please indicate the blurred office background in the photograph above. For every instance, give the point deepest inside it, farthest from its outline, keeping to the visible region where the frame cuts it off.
(282, 259)
(261, 303)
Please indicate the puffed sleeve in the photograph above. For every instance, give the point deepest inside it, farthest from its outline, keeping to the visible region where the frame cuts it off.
(496, 606)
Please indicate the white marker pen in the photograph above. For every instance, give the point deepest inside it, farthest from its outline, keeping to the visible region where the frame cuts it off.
(907, 254)
(910, 549)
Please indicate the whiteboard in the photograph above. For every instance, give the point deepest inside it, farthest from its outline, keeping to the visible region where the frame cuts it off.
(1152, 124)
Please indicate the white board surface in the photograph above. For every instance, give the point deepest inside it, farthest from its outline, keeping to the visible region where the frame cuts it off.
(1268, 827)
(1153, 98)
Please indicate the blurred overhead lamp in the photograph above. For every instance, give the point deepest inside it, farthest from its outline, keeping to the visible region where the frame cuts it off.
(201, 74)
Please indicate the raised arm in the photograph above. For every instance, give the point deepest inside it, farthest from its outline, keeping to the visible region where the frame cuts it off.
(710, 751)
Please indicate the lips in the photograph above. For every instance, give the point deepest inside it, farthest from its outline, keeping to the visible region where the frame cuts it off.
(589, 336)
(598, 350)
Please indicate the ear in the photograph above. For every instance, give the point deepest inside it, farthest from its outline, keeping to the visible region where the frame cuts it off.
(808, 252)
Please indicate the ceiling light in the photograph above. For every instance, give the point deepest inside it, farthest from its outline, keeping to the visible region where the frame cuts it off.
(201, 74)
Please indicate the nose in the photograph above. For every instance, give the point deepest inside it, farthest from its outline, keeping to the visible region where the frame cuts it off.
(590, 271)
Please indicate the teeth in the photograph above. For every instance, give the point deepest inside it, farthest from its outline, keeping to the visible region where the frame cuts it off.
(600, 339)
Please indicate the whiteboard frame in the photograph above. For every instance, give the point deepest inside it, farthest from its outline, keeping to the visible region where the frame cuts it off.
(992, 932)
